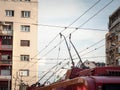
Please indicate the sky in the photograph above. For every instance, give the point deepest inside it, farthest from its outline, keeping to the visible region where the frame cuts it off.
(55, 15)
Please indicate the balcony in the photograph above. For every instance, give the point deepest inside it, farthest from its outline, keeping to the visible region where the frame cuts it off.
(6, 47)
(5, 74)
(5, 62)
(5, 77)
(5, 32)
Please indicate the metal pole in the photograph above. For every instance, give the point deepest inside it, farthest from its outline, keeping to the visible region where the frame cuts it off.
(68, 50)
(76, 52)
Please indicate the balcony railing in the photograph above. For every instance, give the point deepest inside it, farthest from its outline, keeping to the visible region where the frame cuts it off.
(4, 62)
(5, 32)
(6, 47)
(5, 77)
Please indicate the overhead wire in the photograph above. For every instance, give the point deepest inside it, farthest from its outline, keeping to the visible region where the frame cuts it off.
(55, 72)
(81, 25)
(67, 27)
(64, 30)
(94, 29)
(93, 50)
(76, 29)
(50, 70)
(91, 46)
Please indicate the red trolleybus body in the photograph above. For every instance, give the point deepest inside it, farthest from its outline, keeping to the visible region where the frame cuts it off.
(102, 78)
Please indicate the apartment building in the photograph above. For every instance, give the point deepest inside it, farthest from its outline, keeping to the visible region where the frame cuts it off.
(18, 43)
(113, 40)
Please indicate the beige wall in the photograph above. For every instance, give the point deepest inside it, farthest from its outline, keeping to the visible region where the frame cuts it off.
(18, 35)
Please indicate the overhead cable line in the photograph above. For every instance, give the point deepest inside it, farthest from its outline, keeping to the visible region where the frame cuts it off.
(47, 72)
(94, 29)
(91, 46)
(55, 72)
(93, 50)
(94, 15)
(67, 27)
(64, 27)
(68, 59)
(73, 31)
(64, 30)
(82, 25)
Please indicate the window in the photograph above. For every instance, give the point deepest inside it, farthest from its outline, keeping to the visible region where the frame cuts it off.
(24, 72)
(111, 87)
(6, 41)
(7, 27)
(6, 57)
(25, 14)
(25, 43)
(25, 28)
(118, 49)
(119, 62)
(9, 13)
(17, 0)
(24, 57)
(27, 0)
(118, 37)
(5, 72)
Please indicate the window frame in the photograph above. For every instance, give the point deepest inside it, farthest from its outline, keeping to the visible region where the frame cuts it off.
(27, 0)
(25, 14)
(9, 13)
(24, 72)
(6, 41)
(24, 57)
(25, 43)
(25, 28)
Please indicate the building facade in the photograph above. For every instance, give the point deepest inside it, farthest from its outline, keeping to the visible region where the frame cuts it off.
(113, 40)
(18, 43)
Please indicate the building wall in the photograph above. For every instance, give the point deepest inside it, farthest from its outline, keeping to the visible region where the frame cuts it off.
(113, 40)
(18, 35)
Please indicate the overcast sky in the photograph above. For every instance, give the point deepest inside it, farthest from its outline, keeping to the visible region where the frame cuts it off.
(62, 13)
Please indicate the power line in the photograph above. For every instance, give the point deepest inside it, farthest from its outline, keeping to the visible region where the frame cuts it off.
(55, 72)
(67, 27)
(93, 50)
(73, 31)
(82, 25)
(91, 45)
(94, 29)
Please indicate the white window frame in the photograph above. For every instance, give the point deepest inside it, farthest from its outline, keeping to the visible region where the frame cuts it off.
(25, 57)
(9, 13)
(25, 14)
(24, 72)
(25, 28)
